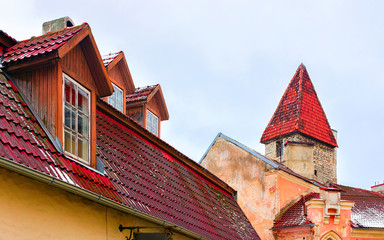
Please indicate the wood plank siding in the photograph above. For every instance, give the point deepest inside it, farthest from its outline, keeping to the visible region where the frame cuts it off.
(39, 87)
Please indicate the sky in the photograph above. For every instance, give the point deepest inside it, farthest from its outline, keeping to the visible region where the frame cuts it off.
(224, 65)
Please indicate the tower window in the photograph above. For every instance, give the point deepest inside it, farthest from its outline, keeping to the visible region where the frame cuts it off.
(279, 148)
(116, 99)
(76, 120)
(152, 123)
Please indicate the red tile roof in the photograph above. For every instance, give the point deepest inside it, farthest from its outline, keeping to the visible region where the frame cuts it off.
(367, 212)
(9, 39)
(300, 111)
(107, 59)
(37, 46)
(141, 94)
(138, 174)
(295, 215)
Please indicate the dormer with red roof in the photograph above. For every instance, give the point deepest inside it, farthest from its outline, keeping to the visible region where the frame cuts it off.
(121, 78)
(147, 107)
(61, 75)
(299, 134)
(73, 158)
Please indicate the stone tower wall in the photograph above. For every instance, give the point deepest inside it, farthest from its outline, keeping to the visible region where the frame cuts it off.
(324, 157)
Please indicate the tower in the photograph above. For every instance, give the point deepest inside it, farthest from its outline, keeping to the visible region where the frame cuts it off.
(299, 134)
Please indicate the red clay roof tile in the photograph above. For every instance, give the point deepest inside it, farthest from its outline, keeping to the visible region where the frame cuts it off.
(139, 175)
(43, 44)
(300, 111)
(107, 59)
(141, 94)
(367, 212)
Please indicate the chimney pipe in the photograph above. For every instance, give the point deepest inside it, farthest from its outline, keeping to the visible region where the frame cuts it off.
(57, 24)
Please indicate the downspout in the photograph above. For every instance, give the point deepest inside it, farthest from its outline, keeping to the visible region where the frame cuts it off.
(41, 177)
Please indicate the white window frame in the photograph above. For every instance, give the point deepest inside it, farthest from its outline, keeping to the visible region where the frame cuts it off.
(149, 113)
(65, 76)
(114, 96)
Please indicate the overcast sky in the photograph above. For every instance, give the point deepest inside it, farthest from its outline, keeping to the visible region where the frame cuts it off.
(224, 65)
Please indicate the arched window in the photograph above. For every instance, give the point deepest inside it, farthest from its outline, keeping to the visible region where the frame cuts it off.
(331, 236)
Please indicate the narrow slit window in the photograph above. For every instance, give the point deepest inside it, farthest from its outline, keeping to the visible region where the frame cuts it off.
(279, 148)
(117, 98)
(76, 120)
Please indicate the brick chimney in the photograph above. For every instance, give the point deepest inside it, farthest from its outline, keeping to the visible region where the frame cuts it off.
(57, 24)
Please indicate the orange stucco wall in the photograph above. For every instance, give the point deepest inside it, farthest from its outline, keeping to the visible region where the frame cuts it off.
(33, 210)
(261, 193)
(290, 191)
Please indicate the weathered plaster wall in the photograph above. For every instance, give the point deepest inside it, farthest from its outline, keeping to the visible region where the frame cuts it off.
(33, 210)
(324, 157)
(261, 193)
(321, 228)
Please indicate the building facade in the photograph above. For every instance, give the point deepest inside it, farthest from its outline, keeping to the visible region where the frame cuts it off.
(292, 191)
(74, 165)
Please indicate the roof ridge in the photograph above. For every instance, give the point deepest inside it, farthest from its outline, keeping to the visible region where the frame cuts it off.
(51, 33)
(300, 96)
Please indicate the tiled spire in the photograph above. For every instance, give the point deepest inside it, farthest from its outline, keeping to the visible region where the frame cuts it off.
(300, 111)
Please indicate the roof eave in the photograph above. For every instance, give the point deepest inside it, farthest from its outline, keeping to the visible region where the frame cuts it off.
(95, 63)
(122, 64)
(6, 40)
(42, 177)
(304, 225)
(266, 140)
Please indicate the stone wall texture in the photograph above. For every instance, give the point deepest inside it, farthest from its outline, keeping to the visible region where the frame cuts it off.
(324, 157)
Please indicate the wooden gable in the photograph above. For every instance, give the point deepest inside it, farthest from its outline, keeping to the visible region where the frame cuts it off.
(41, 80)
(119, 73)
(75, 65)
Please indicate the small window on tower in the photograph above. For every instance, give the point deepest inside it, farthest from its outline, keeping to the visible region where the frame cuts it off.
(279, 148)
(116, 99)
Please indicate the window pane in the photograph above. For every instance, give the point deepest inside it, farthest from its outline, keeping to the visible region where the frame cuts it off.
(70, 142)
(83, 148)
(70, 117)
(70, 92)
(116, 99)
(83, 101)
(83, 125)
(152, 123)
(76, 119)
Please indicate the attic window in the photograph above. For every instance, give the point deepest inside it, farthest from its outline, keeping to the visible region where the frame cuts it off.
(152, 123)
(76, 120)
(116, 99)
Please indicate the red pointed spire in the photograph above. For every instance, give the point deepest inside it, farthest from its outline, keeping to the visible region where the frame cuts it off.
(300, 111)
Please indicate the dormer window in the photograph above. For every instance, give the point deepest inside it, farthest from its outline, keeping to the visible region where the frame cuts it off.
(76, 120)
(116, 99)
(152, 123)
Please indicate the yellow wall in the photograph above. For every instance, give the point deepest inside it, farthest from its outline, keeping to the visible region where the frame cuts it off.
(30, 209)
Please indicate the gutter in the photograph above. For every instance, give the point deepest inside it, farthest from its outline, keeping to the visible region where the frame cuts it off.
(41, 177)
(304, 225)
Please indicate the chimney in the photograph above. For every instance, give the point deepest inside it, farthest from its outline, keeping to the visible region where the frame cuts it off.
(378, 187)
(332, 198)
(57, 24)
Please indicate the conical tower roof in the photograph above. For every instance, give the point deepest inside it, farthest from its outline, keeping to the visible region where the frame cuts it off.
(300, 111)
